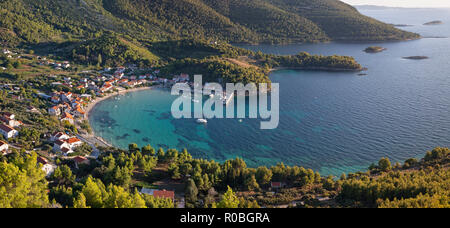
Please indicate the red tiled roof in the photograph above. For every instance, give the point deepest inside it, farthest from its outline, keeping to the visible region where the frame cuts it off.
(58, 134)
(72, 140)
(2, 143)
(42, 160)
(276, 184)
(164, 194)
(67, 115)
(59, 142)
(79, 159)
(6, 128)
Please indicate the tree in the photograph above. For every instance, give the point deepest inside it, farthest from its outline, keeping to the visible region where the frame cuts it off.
(229, 200)
(161, 154)
(63, 175)
(80, 201)
(99, 60)
(23, 184)
(138, 201)
(148, 150)
(384, 164)
(263, 175)
(251, 183)
(191, 191)
(93, 193)
(133, 147)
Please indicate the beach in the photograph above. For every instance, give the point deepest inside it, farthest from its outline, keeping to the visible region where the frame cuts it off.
(91, 138)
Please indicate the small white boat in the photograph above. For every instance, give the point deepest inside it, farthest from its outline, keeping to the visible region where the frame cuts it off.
(211, 95)
(195, 101)
(202, 121)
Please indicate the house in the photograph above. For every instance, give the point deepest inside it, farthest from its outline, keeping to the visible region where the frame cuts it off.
(78, 112)
(159, 193)
(123, 82)
(10, 122)
(67, 117)
(277, 185)
(60, 145)
(73, 142)
(4, 147)
(9, 115)
(8, 132)
(46, 166)
(56, 99)
(59, 136)
(79, 160)
(66, 97)
(54, 111)
(107, 87)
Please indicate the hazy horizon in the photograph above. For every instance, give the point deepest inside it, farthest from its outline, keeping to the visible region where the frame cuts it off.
(403, 3)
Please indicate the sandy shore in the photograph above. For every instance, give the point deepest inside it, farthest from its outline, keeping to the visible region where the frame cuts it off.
(92, 138)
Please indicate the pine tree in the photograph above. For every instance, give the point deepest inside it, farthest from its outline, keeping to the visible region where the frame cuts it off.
(80, 201)
(229, 200)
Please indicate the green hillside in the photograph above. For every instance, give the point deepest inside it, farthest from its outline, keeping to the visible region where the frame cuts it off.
(245, 21)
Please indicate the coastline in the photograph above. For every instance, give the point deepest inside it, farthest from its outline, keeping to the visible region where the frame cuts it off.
(97, 100)
(329, 69)
(93, 139)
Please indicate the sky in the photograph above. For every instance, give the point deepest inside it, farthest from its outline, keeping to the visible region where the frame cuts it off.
(402, 3)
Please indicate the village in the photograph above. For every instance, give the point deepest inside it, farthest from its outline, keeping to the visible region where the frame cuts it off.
(70, 100)
(68, 92)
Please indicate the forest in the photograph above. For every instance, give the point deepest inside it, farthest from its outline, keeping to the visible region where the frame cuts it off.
(113, 181)
(234, 21)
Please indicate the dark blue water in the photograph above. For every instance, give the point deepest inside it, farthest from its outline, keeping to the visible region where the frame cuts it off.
(331, 122)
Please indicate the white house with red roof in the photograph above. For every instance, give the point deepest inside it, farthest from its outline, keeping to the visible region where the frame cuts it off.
(159, 193)
(79, 112)
(55, 110)
(59, 136)
(66, 96)
(47, 167)
(4, 147)
(8, 132)
(73, 142)
(67, 117)
(10, 119)
(79, 160)
(61, 146)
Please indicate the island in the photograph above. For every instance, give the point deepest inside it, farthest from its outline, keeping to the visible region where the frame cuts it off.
(434, 23)
(401, 25)
(416, 57)
(374, 49)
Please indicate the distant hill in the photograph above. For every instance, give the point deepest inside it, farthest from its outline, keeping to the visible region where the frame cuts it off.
(239, 21)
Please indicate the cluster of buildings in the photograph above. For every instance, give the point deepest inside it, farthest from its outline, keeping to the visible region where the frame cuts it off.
(67, 105)
(56, 65)
(9, 54)
(8, 123)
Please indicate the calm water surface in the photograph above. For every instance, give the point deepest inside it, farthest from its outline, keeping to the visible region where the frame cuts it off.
(331, 122)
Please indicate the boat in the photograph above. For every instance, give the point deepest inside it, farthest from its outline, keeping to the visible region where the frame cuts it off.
(202, 121)
(195, 101)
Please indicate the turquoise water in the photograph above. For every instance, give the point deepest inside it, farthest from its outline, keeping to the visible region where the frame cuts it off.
(331, 122)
